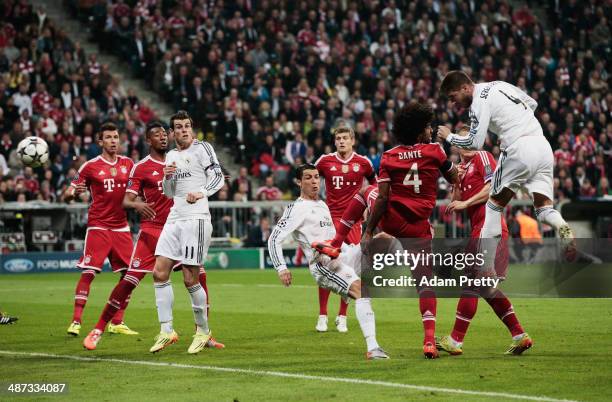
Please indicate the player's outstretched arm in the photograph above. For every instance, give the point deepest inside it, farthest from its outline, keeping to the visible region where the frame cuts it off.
(292, 218)
(477, 135)
(479, 198)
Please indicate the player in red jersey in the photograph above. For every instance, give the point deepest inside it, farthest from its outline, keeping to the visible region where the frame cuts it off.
(472, 193)
(407, 187)
(144, 182)
(108, 233)
(404, 199)
(344, 172)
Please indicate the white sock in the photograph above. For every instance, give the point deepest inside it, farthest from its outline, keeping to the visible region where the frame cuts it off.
(367, 322)
(550, 216)
(490, 234)
(198, 304)
(164, 300)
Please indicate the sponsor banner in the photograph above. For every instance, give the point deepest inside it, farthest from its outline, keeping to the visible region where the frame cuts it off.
(231, 258)
(290, 259)
(20, 263)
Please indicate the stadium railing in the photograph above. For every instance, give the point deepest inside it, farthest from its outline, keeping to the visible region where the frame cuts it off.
(44, 226)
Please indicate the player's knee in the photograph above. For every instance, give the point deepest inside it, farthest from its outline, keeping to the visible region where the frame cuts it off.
(160, 275)
(540, 200)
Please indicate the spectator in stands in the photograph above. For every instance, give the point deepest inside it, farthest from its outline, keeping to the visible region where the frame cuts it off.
(268, 192)
(259, 234)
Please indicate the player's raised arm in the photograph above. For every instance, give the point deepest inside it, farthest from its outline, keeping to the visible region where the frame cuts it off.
(290, 221)
(169, 181)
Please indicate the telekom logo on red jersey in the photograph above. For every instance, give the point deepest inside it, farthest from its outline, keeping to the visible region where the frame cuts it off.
(109, 184)
(338, 181)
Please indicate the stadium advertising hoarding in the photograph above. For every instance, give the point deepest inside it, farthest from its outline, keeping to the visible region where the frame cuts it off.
(20, 263)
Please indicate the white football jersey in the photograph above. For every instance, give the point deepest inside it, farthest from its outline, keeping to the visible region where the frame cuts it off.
(197, 170)
(503, 109)
(307, 221)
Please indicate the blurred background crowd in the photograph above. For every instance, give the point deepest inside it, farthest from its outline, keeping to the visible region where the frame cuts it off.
(268, 80)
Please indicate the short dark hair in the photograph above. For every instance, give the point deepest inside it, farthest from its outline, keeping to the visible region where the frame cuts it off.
(453, 81)
(305, 166)
(107, 126)
(180, 115)
(411, 121)
(151, 125)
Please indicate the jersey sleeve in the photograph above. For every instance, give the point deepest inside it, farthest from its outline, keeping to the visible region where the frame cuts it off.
(370, 174)
(383, 172)
(214, 174)
(292, 218)
(134, 184)
(480, 115)
(486, 165)
(82, 177)
(169, 183)
(320, 165)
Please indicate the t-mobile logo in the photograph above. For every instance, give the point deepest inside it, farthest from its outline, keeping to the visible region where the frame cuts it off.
(337, 180)
(109, 184)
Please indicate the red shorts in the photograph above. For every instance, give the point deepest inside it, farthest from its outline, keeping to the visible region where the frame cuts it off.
(143, 256)
(394, 224)
(354, 236)
(103, 243)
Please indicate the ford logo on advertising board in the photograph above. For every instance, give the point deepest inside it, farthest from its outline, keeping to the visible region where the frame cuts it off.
(18, 265)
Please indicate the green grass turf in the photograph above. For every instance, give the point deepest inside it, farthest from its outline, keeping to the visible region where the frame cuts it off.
(268, 327)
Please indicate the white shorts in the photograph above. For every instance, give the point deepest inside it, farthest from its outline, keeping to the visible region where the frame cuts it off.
(528, 163)
(185, 241)
(339, 280)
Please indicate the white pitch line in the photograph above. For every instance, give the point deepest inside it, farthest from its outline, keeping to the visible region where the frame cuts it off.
(291, 375)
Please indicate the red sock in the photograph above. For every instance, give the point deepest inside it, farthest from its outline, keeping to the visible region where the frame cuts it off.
(82, 292)
(118, 300)
(202, 280)
(299, 255)
(353, 213)
(503, 308)
(466, 309)
(323, 298)
(343, 307)
(427, 305)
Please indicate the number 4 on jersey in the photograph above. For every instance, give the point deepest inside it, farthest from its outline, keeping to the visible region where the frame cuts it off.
(412, 178)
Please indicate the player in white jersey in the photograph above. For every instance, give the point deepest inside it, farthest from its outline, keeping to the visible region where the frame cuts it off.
(192, 174)
(308, 219)
(526, 159)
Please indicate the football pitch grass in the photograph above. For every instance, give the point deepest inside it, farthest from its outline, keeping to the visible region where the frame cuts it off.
(274, 353)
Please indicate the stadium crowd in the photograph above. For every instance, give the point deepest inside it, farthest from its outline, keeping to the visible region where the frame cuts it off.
(268, 80)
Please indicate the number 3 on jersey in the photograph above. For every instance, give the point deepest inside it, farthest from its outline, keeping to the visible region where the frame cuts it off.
(412, 178)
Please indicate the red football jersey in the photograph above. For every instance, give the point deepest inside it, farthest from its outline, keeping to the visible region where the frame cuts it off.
(146, 181)
(478, 172)
(413, 171)
(343, 179)
(106, 182)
